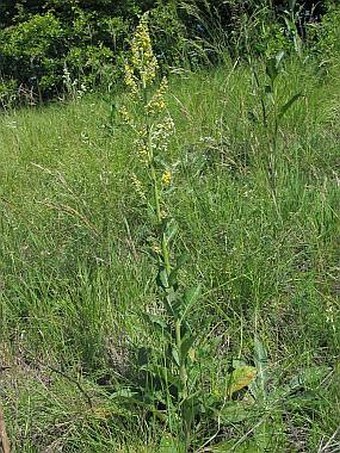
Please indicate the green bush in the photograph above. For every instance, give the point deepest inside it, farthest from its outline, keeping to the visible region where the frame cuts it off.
(30, 53)
(325, 36)
(36, 52)
(89, 66)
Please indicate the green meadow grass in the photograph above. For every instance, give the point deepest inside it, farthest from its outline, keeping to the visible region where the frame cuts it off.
(76, 276)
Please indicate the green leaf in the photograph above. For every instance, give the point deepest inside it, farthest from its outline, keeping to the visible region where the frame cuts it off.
(155, 320)
(272, 70)
(171, 230)
(175, 356)
(191, 295)
(279, 58)
(162, 278)
(179, 264)
(157, 323)
(273, 66)
(238, 363)
(187, 345)
(182, 259)
(173, 276)
(164, 374)
(307, 379)
(170, 301)
(288, 105)
(189, 298)
(234, 412)
(258, 388)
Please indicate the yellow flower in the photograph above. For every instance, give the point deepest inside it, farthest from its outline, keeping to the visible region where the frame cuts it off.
(142, 150)
(156, 249)
(164, 214)
(166, 178)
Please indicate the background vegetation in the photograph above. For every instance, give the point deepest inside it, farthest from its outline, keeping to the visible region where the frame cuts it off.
(89, 356)
(49, 47)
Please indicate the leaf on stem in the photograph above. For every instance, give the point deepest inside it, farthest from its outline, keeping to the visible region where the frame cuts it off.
(288, 105)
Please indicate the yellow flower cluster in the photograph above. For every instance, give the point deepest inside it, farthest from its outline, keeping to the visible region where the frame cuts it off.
(130, 79)
(127, 117)
(151, 136)
(157, 102)
(166, 178)
(143, 60)
(138, 187)
(142, 150)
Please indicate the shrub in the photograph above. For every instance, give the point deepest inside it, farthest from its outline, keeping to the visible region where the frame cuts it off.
(36, 52)
(325, 36)
(30, 53)
(89, 66)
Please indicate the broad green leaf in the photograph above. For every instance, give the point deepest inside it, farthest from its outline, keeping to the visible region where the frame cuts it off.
(162, 278)
(271, 70)
(238, 363)
(309, 378)
(157, 324)
(234, 412)
(279, 58)
(273, 66)
(187, 344)
(179, 263)
(183, 304)
(154, 319)
(182, 259)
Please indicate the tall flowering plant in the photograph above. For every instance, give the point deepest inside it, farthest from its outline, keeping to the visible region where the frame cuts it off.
(152, 135)
(179, 386)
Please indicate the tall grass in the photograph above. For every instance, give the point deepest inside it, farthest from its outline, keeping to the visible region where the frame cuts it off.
(76, 272)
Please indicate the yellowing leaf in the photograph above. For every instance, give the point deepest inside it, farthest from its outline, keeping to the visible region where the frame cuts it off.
(240, 378)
